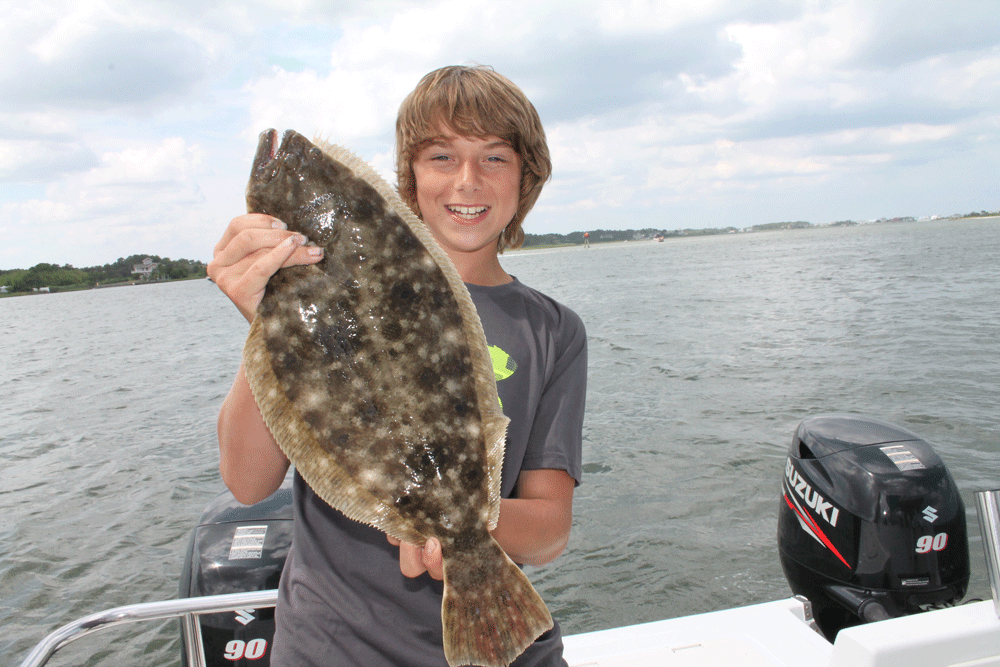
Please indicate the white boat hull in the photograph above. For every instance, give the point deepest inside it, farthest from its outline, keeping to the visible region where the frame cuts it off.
(780, 634)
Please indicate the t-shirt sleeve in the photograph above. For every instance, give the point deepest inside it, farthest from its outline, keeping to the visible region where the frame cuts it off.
(556, 439)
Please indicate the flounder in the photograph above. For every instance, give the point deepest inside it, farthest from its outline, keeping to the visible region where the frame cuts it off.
(372, 372)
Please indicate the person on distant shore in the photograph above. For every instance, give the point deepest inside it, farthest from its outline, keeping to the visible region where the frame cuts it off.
(471, 161)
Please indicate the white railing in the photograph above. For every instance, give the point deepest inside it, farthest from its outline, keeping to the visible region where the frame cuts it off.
(187, 609)
(988, 504)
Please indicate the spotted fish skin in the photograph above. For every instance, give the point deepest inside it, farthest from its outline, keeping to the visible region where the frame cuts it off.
(372, 372)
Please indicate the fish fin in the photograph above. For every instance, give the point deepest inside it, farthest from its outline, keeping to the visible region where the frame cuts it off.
(490, 612)
(495, 436)
(296, 439)
(485, 377)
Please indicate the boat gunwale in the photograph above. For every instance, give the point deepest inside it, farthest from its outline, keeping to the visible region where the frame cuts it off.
(187, 609)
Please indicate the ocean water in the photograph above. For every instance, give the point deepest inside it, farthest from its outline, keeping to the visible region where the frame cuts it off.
(705, 353)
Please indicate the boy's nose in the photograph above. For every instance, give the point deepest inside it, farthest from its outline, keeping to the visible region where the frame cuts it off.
(469, 176)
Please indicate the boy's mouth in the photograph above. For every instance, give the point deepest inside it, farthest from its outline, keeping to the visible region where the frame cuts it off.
(468, 212)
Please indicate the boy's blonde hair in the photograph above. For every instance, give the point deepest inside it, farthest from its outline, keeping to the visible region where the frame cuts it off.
(474, 102)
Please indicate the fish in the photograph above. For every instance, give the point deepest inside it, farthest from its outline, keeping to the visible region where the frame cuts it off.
(372, 372)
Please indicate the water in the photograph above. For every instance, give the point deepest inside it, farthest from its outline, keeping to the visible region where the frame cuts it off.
(704, 355)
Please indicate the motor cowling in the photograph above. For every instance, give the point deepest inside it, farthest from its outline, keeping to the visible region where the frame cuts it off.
(870, 523)
(237, 548)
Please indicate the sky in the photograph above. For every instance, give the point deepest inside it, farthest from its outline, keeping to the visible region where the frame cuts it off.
(129, 127)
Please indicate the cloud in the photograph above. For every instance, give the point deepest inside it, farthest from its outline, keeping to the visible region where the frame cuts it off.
(40, 147)
(93, 57)
(41, 161)
(346, 104)
(899, 33)
(131, 123)
(142, 193)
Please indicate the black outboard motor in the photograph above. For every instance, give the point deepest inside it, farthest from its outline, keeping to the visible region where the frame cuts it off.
(237, 548)
(871, 525)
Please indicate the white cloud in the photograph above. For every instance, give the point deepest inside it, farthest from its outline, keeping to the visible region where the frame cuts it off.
(131, 123)
(35, 160)
(345, 105)
(88, 55)
(790, 63)
(163, 175)
(373, 65)
(140, 194)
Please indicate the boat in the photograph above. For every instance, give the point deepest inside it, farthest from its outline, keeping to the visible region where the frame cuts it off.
(872, 538)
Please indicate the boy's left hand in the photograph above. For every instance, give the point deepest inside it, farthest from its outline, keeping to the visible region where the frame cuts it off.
(415, 560)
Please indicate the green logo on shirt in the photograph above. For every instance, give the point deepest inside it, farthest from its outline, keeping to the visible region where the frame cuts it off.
(503, 364)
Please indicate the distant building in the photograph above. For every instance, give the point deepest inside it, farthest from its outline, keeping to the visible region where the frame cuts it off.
(145, 269)
(4, 288)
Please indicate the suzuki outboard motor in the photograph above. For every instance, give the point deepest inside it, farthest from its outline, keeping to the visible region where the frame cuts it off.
(237, 548)
(871, 525)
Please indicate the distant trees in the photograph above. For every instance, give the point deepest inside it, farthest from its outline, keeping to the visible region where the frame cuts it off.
(167, 269)
(179, 269)
(772, 226)
(42, 275)
(51, 275)
(612, 235)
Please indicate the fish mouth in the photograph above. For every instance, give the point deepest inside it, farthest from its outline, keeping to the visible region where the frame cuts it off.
(265, 149)
(264, 165)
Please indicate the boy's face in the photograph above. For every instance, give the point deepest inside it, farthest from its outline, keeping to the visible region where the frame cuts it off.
(467, 190)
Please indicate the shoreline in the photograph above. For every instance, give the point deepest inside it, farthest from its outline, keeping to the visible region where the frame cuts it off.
(566, 244)
(78, 288)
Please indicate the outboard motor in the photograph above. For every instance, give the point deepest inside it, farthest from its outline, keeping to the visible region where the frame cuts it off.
(237, 548)
(871, 525)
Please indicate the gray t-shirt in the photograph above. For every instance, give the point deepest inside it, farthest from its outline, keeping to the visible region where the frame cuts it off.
(343, 600)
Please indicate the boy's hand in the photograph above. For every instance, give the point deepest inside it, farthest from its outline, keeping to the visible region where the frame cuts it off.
(414, 560)
(252, 248)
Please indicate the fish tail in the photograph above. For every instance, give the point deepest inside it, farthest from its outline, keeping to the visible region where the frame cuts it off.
(490, 612)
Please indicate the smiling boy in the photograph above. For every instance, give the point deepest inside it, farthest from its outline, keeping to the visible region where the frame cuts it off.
(468, 195)
(471, 160)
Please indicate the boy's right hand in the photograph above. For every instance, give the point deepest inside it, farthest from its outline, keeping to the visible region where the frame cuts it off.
(415, 560)
(253, 247)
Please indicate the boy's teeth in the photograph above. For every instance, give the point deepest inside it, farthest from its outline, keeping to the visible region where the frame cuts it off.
(467, 211)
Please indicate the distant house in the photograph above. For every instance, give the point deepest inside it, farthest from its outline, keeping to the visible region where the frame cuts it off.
(4, 288)
(145, 269)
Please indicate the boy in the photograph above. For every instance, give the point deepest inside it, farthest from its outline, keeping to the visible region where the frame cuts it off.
(471, 160)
